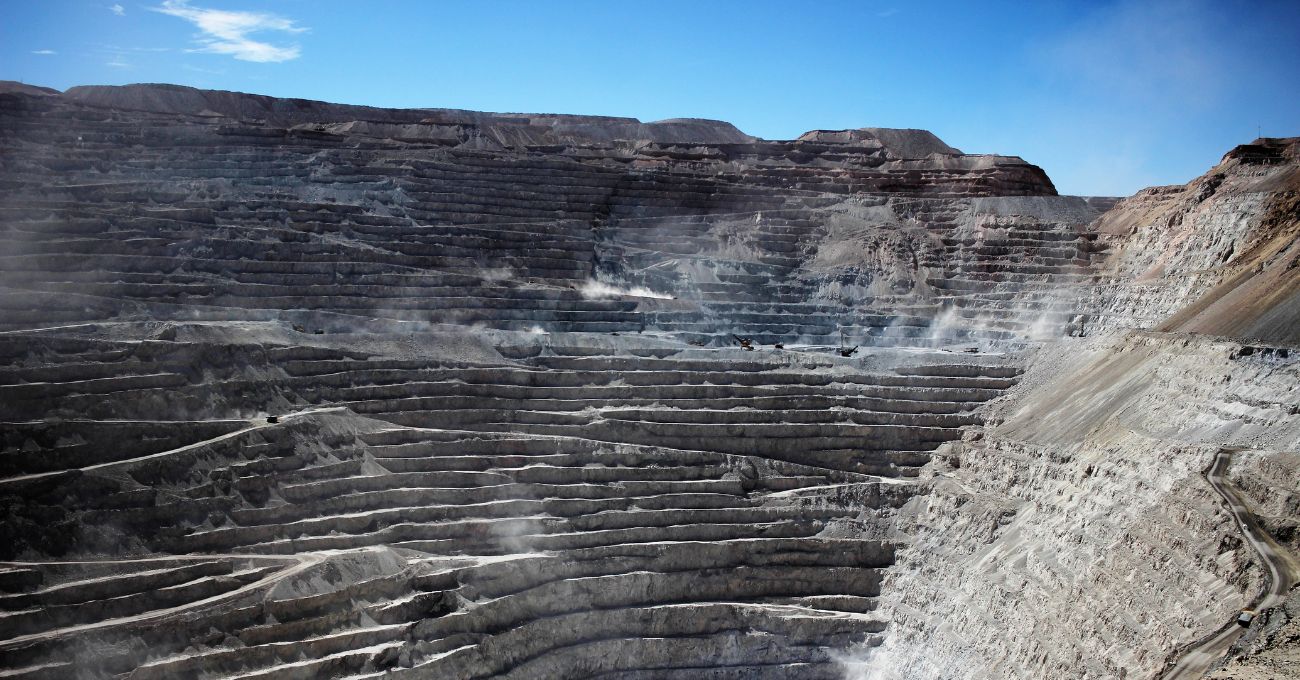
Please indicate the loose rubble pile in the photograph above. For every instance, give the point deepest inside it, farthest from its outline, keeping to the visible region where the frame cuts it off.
(294, 389)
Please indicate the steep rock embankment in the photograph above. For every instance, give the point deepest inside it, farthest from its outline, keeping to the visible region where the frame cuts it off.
(1078, 537)
(141, 202)
(292, 389)
(1075, 535)
(560, 396)
(1220, 255)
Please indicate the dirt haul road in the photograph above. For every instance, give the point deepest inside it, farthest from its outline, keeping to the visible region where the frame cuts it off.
(1282, 574)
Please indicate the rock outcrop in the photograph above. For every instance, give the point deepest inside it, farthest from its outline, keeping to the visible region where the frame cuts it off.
(1216, 256)
(296, 389)
(1082, 507)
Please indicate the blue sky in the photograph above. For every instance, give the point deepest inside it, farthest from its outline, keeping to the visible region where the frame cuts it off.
(1107, 97)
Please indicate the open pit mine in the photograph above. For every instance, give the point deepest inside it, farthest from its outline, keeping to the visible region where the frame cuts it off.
(293, 390)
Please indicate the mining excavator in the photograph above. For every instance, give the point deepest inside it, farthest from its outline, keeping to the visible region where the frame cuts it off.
(746, 344)
(845, 350)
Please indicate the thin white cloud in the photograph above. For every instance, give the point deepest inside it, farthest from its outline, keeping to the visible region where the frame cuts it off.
(44, 52)
(118, 10)
(226, 32)
(196, 69)
(117, 49)
(117, 63)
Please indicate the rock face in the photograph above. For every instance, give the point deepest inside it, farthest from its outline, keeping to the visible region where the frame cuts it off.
(1081, 506)
(898, 143)
(1086, 510)
(295, 389)
(1216, 256)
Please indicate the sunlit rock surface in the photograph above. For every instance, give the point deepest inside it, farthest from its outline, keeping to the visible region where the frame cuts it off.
(295, 389)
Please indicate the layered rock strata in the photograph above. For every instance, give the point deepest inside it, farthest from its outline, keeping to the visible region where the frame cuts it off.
(294, 389)
(1077, 534)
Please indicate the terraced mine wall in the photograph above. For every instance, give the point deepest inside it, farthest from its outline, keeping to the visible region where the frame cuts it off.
(1085, 503)
(294, 389)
